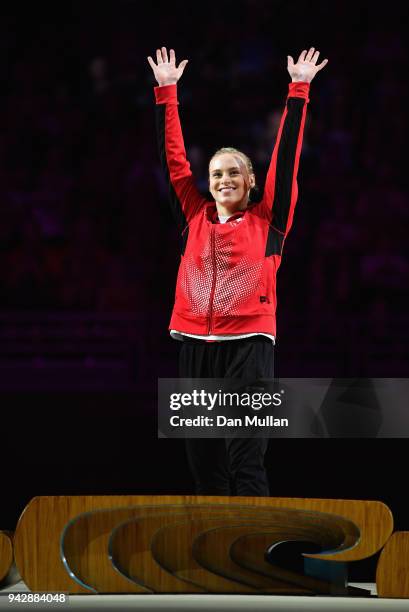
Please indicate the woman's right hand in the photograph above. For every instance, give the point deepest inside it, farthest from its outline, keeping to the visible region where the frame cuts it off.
(165, 70)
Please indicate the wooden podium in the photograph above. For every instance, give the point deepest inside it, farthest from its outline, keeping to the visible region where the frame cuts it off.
(198, 544)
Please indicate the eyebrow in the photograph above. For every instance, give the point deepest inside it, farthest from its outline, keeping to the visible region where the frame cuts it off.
(219, 169)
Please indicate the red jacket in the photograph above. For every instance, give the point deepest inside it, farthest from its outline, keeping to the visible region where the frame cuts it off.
(226, 282)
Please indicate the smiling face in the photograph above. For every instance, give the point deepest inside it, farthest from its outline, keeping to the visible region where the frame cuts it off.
(229, 182)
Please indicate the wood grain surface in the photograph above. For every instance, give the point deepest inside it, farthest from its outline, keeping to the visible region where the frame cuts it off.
(88, 537)
(174, 547)
(6, 554)
(8, 571)
(254, 540)
(392, 572)
(44, 521)
(131, 545)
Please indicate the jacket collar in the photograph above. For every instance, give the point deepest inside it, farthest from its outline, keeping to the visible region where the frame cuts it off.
(213, 216)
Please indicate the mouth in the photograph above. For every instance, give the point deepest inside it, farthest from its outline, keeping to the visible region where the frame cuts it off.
(226, 189)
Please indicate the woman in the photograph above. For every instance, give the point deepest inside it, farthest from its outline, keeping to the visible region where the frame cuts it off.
(231, 249)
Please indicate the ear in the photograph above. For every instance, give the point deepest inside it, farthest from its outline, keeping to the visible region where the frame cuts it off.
(252, 181)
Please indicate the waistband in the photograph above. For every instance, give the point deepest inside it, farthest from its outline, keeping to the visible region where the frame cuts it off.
(250, 339)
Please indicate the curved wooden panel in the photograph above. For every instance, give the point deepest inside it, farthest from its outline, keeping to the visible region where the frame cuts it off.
(392, 572)
(208, 547)
(247, 551)
(172, 549)
(130, 546)
(96, 531)
(223, 565)
(7, 567)
(41, 525)
(84, 551)
(85, 544)
(9, 574)
(199, 549)
(130, 551)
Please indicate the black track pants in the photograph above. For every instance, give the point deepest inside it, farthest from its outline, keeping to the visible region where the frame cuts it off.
(228, 466)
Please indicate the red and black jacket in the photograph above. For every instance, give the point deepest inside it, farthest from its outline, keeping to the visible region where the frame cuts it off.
(226, 282)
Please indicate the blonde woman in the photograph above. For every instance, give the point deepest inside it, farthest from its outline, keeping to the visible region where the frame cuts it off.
(225, 301)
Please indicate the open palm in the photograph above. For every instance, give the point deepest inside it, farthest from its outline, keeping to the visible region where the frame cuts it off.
(165, 70)
(306, 67)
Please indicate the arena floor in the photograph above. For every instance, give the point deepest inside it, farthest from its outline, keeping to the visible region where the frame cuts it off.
(204, 603)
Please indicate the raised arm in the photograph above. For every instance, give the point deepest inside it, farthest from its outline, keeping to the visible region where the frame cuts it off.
(184, 197)
(281, 191)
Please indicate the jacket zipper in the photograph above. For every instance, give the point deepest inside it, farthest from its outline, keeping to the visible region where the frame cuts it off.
(212, 247)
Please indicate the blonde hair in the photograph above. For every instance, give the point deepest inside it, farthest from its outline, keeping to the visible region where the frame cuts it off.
(236, 153)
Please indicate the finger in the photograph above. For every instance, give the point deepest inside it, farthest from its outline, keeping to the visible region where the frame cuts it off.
(172, 58)
(159, 56)
(165, 54)
(182, 66)
(152, 63)
(323, 63)
(310, 54)
(302, 56)
(290, 61)
(315, 57)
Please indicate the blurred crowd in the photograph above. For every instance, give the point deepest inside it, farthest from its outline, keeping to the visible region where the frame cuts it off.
(84, 223)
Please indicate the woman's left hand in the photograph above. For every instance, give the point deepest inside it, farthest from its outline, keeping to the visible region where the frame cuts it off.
(306, 68)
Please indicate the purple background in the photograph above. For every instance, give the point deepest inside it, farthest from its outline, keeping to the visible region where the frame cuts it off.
(89, 254)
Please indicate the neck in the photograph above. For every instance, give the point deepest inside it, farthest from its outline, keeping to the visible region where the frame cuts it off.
(228, 211)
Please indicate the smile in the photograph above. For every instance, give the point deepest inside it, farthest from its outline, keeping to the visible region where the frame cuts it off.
(227, 189)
